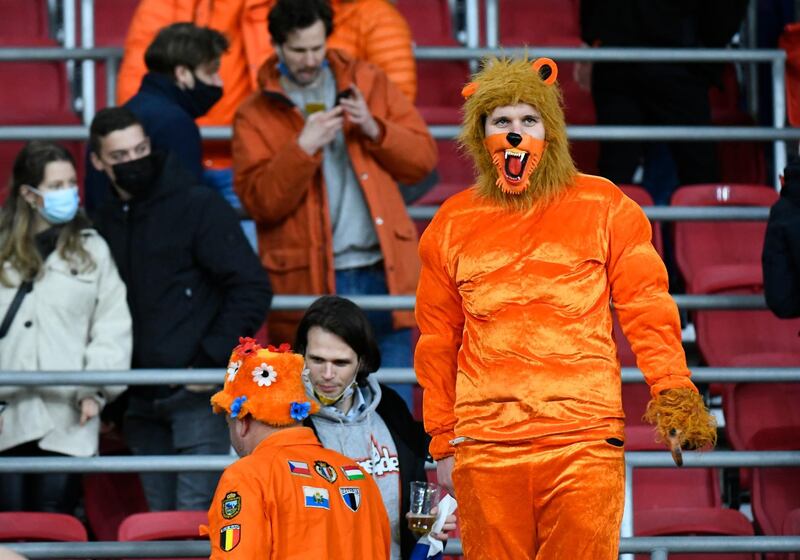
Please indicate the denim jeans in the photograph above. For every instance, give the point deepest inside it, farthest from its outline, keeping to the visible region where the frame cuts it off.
(221, 180)
(394, 344)
(179, 424)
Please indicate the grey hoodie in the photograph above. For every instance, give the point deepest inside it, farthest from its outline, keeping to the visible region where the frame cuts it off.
(364, 437)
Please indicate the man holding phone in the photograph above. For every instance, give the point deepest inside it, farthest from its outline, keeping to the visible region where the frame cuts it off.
(317, 156)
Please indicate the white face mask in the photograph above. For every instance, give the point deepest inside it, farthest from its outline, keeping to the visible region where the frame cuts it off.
(325, 400)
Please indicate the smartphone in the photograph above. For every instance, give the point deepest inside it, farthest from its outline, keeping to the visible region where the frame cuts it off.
(344, 94)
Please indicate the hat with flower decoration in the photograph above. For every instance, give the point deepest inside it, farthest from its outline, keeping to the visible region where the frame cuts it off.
(264, 383)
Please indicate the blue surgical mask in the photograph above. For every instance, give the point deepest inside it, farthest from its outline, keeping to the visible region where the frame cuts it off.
(59, 206)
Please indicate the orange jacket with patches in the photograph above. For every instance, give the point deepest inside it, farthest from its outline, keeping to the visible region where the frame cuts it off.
(369, 30)
(273, 504)
(513, 309)
(282, 187)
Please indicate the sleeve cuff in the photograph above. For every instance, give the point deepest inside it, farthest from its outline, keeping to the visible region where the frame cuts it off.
(671, 382)
(440, 445)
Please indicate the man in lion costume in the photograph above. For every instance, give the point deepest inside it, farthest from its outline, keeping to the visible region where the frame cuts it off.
(521, 380)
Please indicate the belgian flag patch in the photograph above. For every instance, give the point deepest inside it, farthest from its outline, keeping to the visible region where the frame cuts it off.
(229, 537)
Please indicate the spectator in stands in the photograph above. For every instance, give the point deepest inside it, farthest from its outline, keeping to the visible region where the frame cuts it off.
(781, 257)
(316, 153)
(287, 497)
(647, 93)
(358, 416)
(182, 84)
(369, 30)
(193, 283)
(516, 356)
(63, 308)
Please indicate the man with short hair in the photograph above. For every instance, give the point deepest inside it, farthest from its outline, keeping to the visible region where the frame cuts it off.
(182, 84)
(287, 497)
(317, 155)
(194, 284)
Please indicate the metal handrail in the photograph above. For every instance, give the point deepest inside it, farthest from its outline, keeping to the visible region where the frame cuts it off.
(217, 463)
(188, 549)
(447, 132)
(384, 375)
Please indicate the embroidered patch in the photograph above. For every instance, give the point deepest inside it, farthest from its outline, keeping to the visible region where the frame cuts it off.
(231, 505)
(316, 497)
(351, 497)
(299, 468)
(229, 537)
(325, 471)
(351, 472)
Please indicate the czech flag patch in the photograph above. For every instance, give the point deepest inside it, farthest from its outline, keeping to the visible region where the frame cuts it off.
(299, 468)
(229, 537)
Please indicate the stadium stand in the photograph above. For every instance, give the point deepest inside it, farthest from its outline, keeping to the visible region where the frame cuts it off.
(20, 526)
(163, 525)
(718, 247)
(714, 257)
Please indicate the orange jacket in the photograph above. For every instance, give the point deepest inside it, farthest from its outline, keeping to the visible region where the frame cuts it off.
(282, 187)
(513, 309)
(276, 504)
(370, 30)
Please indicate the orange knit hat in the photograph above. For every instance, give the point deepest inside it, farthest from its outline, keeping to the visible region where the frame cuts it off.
(266, 384)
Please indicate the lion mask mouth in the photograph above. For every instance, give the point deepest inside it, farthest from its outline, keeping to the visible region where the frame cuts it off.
(515, 157)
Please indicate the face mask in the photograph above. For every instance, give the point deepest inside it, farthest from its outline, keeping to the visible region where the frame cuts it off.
(324, 400)
(202, 97)
(515, 156)
(59, 206)
(136, 176)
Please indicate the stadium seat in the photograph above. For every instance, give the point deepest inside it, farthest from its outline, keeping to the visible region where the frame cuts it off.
(455, 174)
(673, 501)
(21, 526)
(29, 22)
(163, 525)
(776, 493)
(762, 415)
(439, 81)
(743, 338)
(790, 42)
(703, 245)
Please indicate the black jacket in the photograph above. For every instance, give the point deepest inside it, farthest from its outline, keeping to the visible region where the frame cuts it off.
(165, 113)
(194, 283)
(781, 256)
(412, 451)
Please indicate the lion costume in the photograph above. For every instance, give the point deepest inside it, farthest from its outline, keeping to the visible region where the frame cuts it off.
(516, 356)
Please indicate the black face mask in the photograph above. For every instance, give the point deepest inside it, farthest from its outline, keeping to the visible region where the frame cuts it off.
(202, 97)
(138, 176)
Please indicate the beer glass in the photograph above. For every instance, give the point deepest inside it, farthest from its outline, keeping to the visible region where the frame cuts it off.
(425, 497)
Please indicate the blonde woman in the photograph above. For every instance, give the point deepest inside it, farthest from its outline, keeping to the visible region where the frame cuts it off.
(62, 307)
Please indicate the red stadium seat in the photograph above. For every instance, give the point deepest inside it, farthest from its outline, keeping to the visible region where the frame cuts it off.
(790, 42)
(776, 493)
(743, 338)
(762, 415)
(163, 525)
(700, 246)
(19, 526)
(455, 174)
(673, 501)
(29, 22)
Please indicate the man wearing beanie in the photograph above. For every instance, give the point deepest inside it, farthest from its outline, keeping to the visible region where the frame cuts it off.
(287, 497)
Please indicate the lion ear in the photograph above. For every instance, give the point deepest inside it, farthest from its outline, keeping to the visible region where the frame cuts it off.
(547, 70)
(469, 89)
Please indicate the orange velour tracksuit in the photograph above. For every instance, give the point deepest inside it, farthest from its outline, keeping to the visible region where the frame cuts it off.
(282, 187)
(517, 361)
(291, 499)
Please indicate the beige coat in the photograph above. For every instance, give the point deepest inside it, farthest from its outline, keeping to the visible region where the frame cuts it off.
(71, 321)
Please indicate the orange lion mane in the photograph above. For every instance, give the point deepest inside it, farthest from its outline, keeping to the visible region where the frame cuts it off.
(507, 82)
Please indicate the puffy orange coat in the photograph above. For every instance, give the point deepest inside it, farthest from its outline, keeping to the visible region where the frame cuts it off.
(292, 498)
(513, 308)
(282, 187)
(370, 30)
